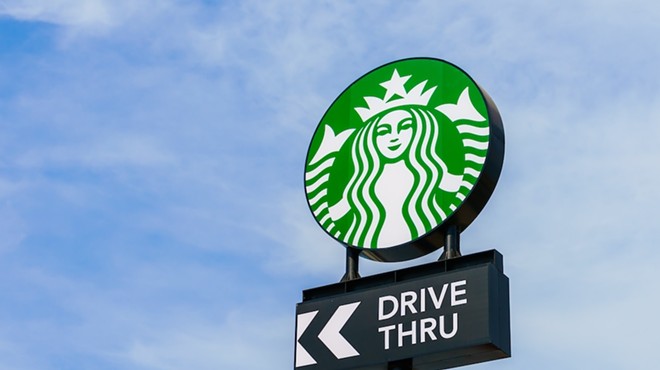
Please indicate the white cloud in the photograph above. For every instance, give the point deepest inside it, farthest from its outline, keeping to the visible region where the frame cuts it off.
(299, 246)
(86, 13)
(247, 340)
(169, 314)
(127, 150)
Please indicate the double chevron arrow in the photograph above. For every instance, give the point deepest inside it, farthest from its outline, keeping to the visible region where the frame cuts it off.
(329, 335)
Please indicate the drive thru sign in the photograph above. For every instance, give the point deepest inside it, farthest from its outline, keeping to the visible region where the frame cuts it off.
(443, 314)
(400, 164)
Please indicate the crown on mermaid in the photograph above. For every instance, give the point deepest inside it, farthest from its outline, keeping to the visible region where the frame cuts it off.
(395, 86)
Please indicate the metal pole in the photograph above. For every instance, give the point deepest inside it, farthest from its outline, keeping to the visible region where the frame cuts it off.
(452, 243)
(352, 267)
(400, 365)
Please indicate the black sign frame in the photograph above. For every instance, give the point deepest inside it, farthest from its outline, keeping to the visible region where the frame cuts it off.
(348, 322)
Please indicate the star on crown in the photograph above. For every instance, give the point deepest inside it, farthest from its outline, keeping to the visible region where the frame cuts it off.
(395, 86)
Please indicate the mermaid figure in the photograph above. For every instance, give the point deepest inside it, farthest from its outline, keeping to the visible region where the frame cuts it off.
(390, 197)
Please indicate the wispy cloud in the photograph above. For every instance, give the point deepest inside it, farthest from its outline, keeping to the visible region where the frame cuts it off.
(65, 12)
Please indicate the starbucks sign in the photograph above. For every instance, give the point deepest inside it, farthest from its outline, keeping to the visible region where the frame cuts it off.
(406, 151)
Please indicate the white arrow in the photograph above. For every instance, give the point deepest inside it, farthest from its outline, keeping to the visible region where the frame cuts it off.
(303, 358)
(331, 337)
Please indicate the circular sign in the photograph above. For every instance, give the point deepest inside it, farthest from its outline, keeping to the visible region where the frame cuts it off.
(406, 151)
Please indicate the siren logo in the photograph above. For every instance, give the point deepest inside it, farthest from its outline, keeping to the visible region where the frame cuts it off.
(397, 153)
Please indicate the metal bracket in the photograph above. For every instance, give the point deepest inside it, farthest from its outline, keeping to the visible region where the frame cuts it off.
(352, 259)
(452, 243)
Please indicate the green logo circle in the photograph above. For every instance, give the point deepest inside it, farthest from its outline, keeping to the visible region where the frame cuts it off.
(398, 154)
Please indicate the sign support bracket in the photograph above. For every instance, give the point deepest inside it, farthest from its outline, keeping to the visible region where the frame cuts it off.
(452, 243)
(400, 365)
(352, 266)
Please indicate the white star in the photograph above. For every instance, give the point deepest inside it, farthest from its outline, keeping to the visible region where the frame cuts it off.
(395, 86)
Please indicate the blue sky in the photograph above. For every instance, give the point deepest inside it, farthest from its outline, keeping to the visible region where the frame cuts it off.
(151, 159)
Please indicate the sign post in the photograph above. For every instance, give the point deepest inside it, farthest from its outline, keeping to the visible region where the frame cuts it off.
(401, 163)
